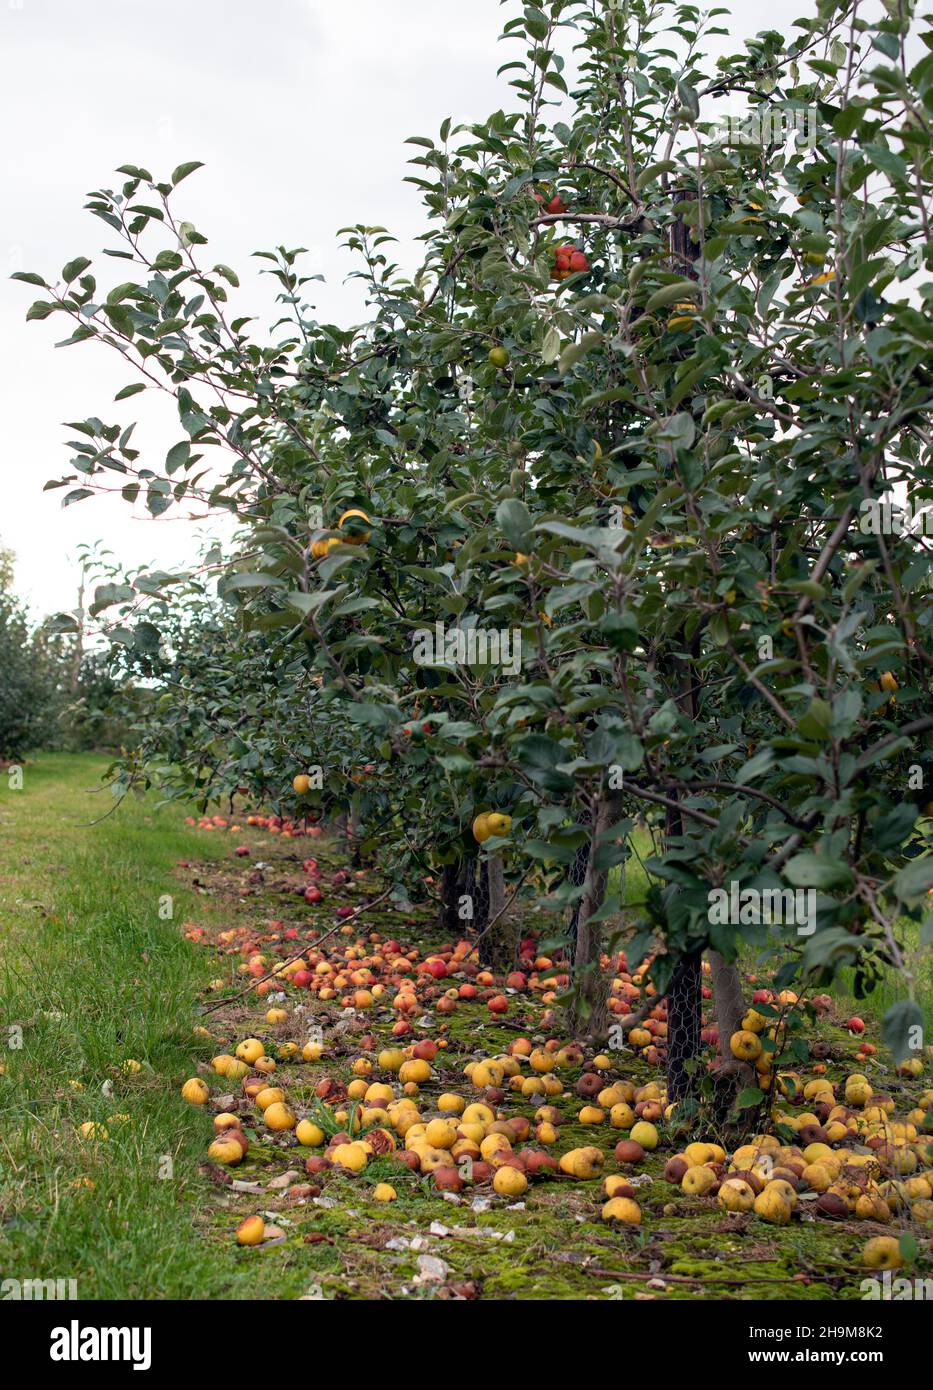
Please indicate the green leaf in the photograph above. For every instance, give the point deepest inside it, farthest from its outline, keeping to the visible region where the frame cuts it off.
(41, 309)
(670, 294)
(132, 390)
(177, 457)
(183, 170)
(817, 871)
(540, 756)
(515, 522)
(915, 880)
(252, 580)
(74, 268)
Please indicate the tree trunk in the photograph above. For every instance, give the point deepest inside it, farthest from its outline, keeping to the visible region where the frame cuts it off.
(684, 998)
(588, 1016)
(730, 1010)
(502, 939)
(448, 920)
(577, 876)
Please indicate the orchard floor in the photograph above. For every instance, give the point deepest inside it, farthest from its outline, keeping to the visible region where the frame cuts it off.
(94, 971)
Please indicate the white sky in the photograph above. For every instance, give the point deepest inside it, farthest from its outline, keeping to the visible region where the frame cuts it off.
(299, 110)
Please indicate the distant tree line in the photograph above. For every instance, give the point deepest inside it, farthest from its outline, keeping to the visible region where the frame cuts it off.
(53, 695)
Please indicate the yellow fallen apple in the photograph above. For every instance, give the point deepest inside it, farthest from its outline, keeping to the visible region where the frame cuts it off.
(226, 1151)
(882, 1252)
(509, 1182)
(745, 1045)
(735, 1195)
(195, 1091)
(92, 1130)
(269, 1096)
(353, 1156)
(622, 1209)
(646, 1134)
(250, 1230)
(384, 1192)
(697, 1181)
(771, 1206)
(279, 1116)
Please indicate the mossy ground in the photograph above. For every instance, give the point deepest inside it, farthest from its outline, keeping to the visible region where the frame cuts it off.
(93, 975)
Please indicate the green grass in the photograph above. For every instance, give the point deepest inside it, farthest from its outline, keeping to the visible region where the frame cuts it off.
(92, 976)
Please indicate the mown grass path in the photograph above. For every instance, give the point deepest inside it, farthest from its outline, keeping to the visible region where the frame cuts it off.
(91, 976)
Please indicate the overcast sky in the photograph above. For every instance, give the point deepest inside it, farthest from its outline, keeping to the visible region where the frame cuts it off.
(299, 109)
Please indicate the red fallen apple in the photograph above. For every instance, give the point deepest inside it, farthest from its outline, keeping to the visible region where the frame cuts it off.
(241, 850)
(309, 866)
(589, 1085)
(627, 1151)
(755, 1180)
(761, 996)
(467, 991)
(706, 992)
(409, 1158)
(447, 1179)
(401, 1029)
(482, 1171)
(537, 1162)
(341, 876)
(445, 1005)
(344, 912)
(623, 1190)
(822, 1003)
(520, 1126)
(830, 1204)
(425, 1050)
(330, 1090)
(494, 1095)
(312, 894)
(291, 934)
(498, 1004)
(515, 980)
(675, 1168)
(855, 1025)
(317, 1163)
(303, 978)
(434, 967)
(867, 1049)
